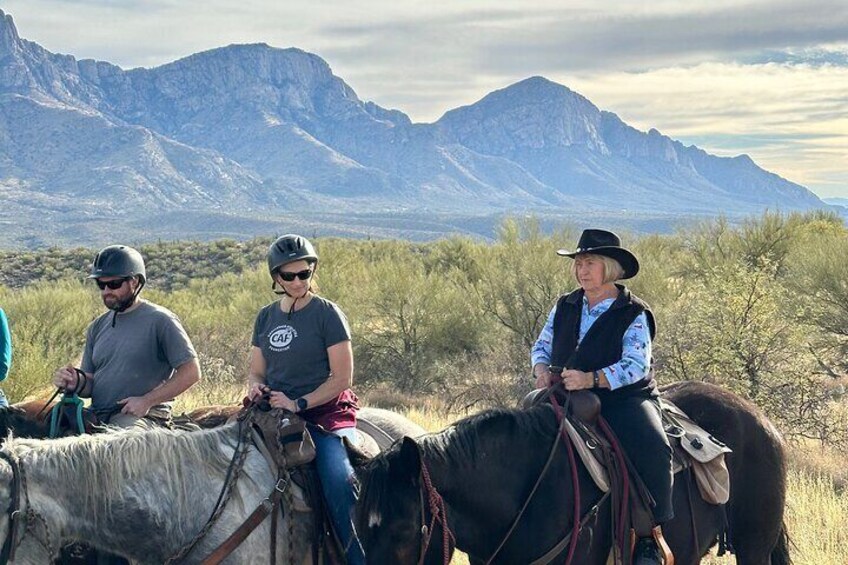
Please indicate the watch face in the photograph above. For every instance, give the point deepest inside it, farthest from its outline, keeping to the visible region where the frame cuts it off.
(301, 403)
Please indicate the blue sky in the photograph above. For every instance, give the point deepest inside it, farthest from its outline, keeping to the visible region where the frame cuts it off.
(766, 78)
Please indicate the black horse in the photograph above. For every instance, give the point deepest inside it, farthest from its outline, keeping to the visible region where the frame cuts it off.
(485, 467)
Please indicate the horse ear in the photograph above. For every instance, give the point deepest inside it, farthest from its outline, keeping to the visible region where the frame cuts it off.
(409, 459)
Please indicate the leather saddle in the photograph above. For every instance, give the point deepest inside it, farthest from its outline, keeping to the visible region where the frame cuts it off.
(286, 443)
(693, 447)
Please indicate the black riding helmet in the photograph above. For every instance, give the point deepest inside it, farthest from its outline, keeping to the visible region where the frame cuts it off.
(288, 249)
(118, 261)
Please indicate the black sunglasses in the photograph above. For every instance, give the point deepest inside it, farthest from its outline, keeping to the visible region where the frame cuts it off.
(114, 285)
(289, 276)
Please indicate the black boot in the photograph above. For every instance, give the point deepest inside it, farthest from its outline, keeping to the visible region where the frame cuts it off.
(646, 552)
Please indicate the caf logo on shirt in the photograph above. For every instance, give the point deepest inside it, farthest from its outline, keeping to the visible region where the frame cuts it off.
(281, 337)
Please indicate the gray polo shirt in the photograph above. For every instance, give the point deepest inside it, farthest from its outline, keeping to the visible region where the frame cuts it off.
(295, 347)
(135, 356)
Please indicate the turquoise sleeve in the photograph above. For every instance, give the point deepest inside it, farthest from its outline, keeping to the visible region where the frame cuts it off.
(5, 346)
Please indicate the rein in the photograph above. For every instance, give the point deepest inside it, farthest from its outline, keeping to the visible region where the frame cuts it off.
(438, 514)
(541, 476)
(15, 513)
(233, 471)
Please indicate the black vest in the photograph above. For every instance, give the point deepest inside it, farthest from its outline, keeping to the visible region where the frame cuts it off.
(602, 344)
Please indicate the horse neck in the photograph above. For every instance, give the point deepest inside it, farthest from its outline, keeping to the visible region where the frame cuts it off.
(97, 507)
(483, 495)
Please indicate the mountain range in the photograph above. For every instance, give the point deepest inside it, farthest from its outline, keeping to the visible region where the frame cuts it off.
(250, 139)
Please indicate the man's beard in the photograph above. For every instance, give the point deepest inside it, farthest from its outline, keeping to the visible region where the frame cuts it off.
(119, 305)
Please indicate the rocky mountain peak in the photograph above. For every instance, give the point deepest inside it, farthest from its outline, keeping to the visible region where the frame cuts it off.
(9, 38)
(534, 113)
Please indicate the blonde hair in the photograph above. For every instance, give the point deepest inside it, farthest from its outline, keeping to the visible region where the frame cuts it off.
(613, 270)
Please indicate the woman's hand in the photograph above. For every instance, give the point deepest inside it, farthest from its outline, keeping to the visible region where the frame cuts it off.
(573, 379)
(543, 378)
(280, 400)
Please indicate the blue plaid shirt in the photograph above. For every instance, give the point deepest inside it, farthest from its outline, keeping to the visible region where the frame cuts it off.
(636, 345)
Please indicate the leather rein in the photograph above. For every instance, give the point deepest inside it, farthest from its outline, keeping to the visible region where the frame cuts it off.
(17, 512)
(13, 512)
(429, 495)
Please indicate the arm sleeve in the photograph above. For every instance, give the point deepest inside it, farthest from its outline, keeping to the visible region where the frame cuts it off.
(87, 364)
(635, 355)
(257, 328)
(174, 342)
(541, 351)
(5, 346)
(336, 329)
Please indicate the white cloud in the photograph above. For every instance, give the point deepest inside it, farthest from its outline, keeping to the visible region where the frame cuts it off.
(791, 119)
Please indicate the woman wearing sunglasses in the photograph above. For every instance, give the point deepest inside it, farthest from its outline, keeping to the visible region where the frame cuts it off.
(303, 360)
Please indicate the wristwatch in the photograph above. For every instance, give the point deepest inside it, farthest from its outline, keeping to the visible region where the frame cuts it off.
(596, 379)
(301, 404)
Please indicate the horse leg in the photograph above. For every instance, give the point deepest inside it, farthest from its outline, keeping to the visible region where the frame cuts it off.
(691, 512)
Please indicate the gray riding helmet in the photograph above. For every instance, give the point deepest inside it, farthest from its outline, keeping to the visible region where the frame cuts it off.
(289, 248)
(118, 261)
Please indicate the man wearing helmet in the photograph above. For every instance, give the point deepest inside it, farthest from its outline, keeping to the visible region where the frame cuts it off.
(303, 360)
(137, 356)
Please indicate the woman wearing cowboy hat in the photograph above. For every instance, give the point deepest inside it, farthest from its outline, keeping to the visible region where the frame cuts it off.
(600, 334)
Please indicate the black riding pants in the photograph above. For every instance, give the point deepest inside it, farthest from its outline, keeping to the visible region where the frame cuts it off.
(637, 422)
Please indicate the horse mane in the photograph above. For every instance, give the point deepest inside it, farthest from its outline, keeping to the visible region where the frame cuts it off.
(456, 445)
(107, 464)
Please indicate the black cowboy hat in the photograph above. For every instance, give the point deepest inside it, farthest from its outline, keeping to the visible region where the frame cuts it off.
(608, 244)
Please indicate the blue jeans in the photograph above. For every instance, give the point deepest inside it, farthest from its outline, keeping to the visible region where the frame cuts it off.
(337, 482)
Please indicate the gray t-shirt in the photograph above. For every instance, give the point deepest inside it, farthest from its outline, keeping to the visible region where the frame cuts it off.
(136, 355)
(295, 348)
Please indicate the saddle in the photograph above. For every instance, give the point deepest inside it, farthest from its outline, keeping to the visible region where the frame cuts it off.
(693, 448)
(287, 445)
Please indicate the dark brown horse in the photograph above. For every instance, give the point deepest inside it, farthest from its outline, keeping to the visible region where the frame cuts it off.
(485, 466)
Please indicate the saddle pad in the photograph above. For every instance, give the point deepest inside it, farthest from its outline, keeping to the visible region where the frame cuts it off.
(706, 455)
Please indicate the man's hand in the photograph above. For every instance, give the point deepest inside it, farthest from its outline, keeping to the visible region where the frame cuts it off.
(577, 380)
(136, 406)
(66, 378)
(280, 400)
(255, 390)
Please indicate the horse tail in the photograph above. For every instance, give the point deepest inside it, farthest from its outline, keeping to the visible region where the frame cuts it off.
(780, 551)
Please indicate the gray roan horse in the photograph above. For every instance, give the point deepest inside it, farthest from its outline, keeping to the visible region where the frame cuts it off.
(145, 494)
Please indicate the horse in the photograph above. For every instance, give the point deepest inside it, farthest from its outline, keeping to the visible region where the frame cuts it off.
(144, 494)
(473, 478)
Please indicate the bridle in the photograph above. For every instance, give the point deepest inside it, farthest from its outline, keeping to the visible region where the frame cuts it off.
(13, 512)
(18, 512)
